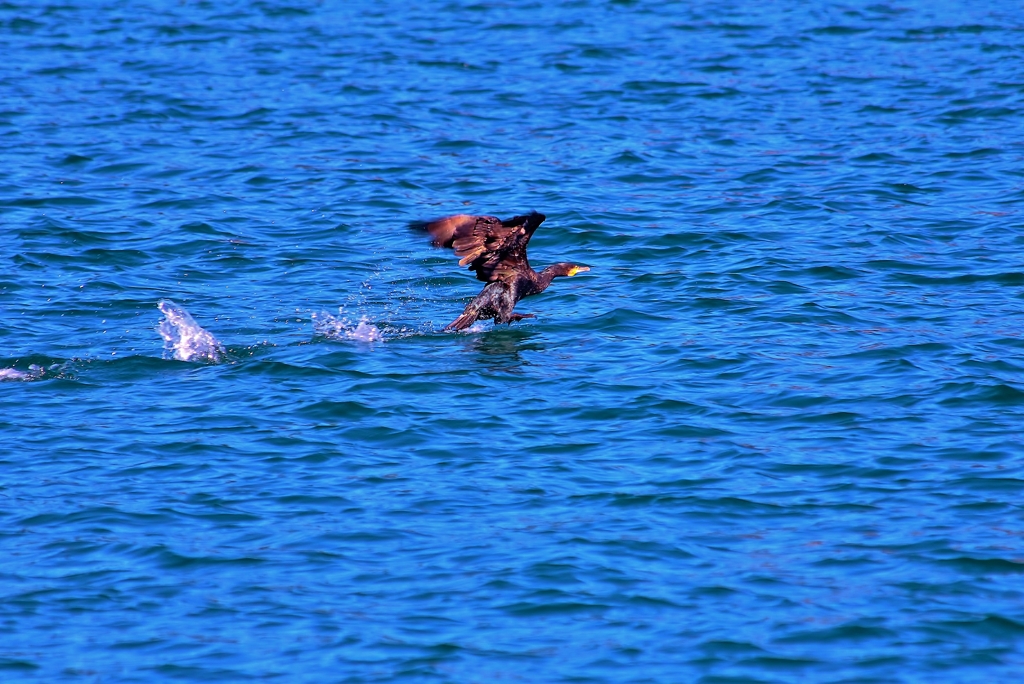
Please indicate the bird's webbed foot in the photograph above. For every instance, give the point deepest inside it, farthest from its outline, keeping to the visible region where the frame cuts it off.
(518, 317)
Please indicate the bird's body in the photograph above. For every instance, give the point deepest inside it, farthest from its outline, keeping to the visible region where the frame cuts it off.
(496, 251)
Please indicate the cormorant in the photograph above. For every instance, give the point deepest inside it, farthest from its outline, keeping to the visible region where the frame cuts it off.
(496, 250)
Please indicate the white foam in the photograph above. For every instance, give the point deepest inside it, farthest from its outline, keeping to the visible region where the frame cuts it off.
(34, 372)
(188, 340)
(14, 374)
(341, 328)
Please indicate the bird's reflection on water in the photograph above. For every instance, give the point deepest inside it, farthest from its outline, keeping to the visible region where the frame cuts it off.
(501, 349)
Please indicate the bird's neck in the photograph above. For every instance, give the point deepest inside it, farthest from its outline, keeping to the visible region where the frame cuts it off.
(546, 275)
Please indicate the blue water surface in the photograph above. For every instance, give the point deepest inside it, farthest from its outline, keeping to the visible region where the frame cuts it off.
(773, 435)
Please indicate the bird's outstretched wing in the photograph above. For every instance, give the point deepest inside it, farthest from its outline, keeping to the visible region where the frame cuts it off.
(495, 249)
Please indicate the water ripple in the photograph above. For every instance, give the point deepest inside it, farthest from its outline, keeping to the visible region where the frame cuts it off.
(773, 435)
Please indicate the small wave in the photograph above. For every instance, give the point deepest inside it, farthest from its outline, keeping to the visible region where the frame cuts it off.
(341, 328)
(188, 340)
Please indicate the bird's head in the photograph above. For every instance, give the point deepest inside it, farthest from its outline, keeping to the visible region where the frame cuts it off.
(565, 269)
(574, 269)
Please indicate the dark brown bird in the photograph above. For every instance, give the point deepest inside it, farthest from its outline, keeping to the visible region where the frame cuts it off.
(496, 250)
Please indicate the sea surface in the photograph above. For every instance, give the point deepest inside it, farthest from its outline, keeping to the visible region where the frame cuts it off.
(773, 435)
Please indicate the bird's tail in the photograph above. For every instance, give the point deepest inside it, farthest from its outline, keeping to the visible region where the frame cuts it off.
(467, 319)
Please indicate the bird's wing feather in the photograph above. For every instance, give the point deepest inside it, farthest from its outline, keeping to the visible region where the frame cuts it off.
(443, 230)
(495, 249)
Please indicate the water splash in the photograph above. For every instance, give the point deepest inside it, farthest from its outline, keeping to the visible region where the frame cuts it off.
(341, 328)
(34, 372)
(188, 340)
